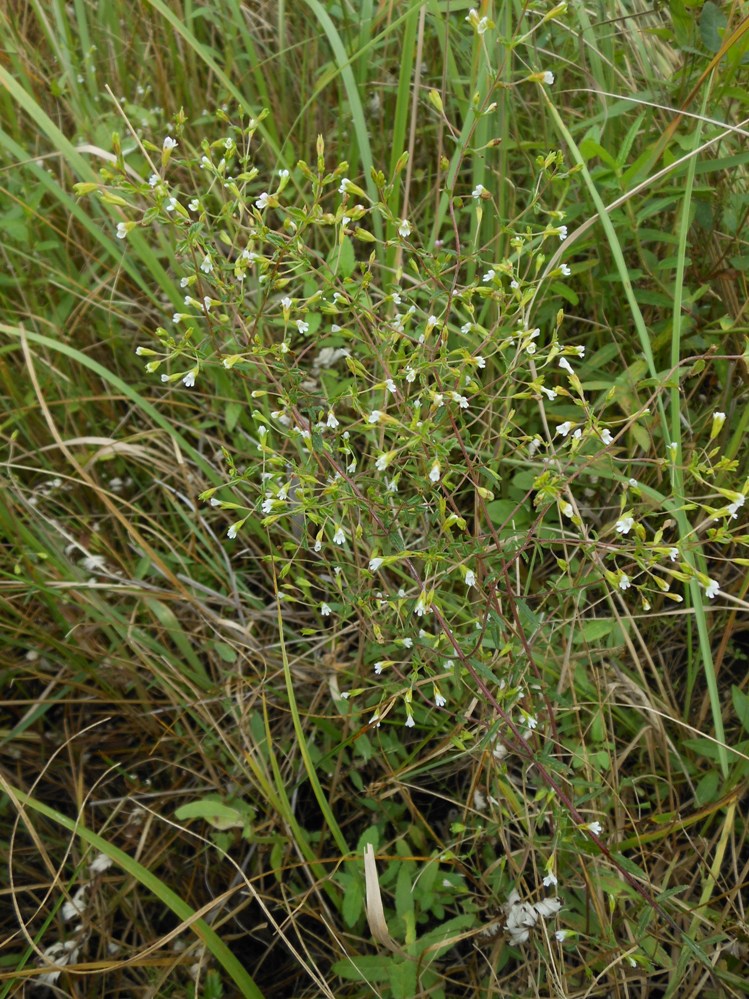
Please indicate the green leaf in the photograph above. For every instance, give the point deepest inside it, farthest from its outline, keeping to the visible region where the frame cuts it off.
(214, 811)
(506, 511)
(712, 25)
(364, 969)
(403, 979)
(353, 899)
(594, 630)
(233, 412)
(741, 706)
(404, 898)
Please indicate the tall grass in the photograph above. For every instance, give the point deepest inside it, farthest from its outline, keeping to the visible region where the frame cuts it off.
(207, 788)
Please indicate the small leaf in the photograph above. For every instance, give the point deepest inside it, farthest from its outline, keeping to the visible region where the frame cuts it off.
(212, 811)
(353, 900)
(741, 706)
(403, 979)
(594, 630)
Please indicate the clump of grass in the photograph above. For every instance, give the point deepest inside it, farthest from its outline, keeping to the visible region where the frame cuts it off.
(374, 518)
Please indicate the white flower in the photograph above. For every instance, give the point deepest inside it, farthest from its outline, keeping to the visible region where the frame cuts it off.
(606, 437)
(75, 907)
(420, 608)
(409, 373)
(564, 428)
(580, 350)
(325, 609)
(547, 907)
(392, 486)
(595, 827)
(121, 230)
(489, 276)
(439, 700)
(262, 201)
(562, 233)
(302, 326)
(624, 583)
(189, 379)
(61, 952)
(206, 265)
(514, 284)
(232, 532)
(672, 448)
(673, 554)
(169, 143)
(733, 508)
(193, 205)
(568, 510)
(286, 303)
(712, 589)
(550, 880)
(624, 525)
(478, 192)
(561, 935)
(466, 327)
(470, 578)
(564, 363)
(548, 77)
(153, 180)
(339, 538)
(565, 270)
(434, 471)
(343, 188)
(99, 864)
(404, 229)
(171, 204)
(318, 545)
(378, 667)
(407, 642)
(375, 563)
(207, 303)
(480, 361)
(410, 721)
(382, 462)
(460, 399)
(482, 25)
(374, 416)
(549, 393)
(633, 482)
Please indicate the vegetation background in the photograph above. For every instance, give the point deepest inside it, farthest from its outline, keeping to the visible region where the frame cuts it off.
(492, 738)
